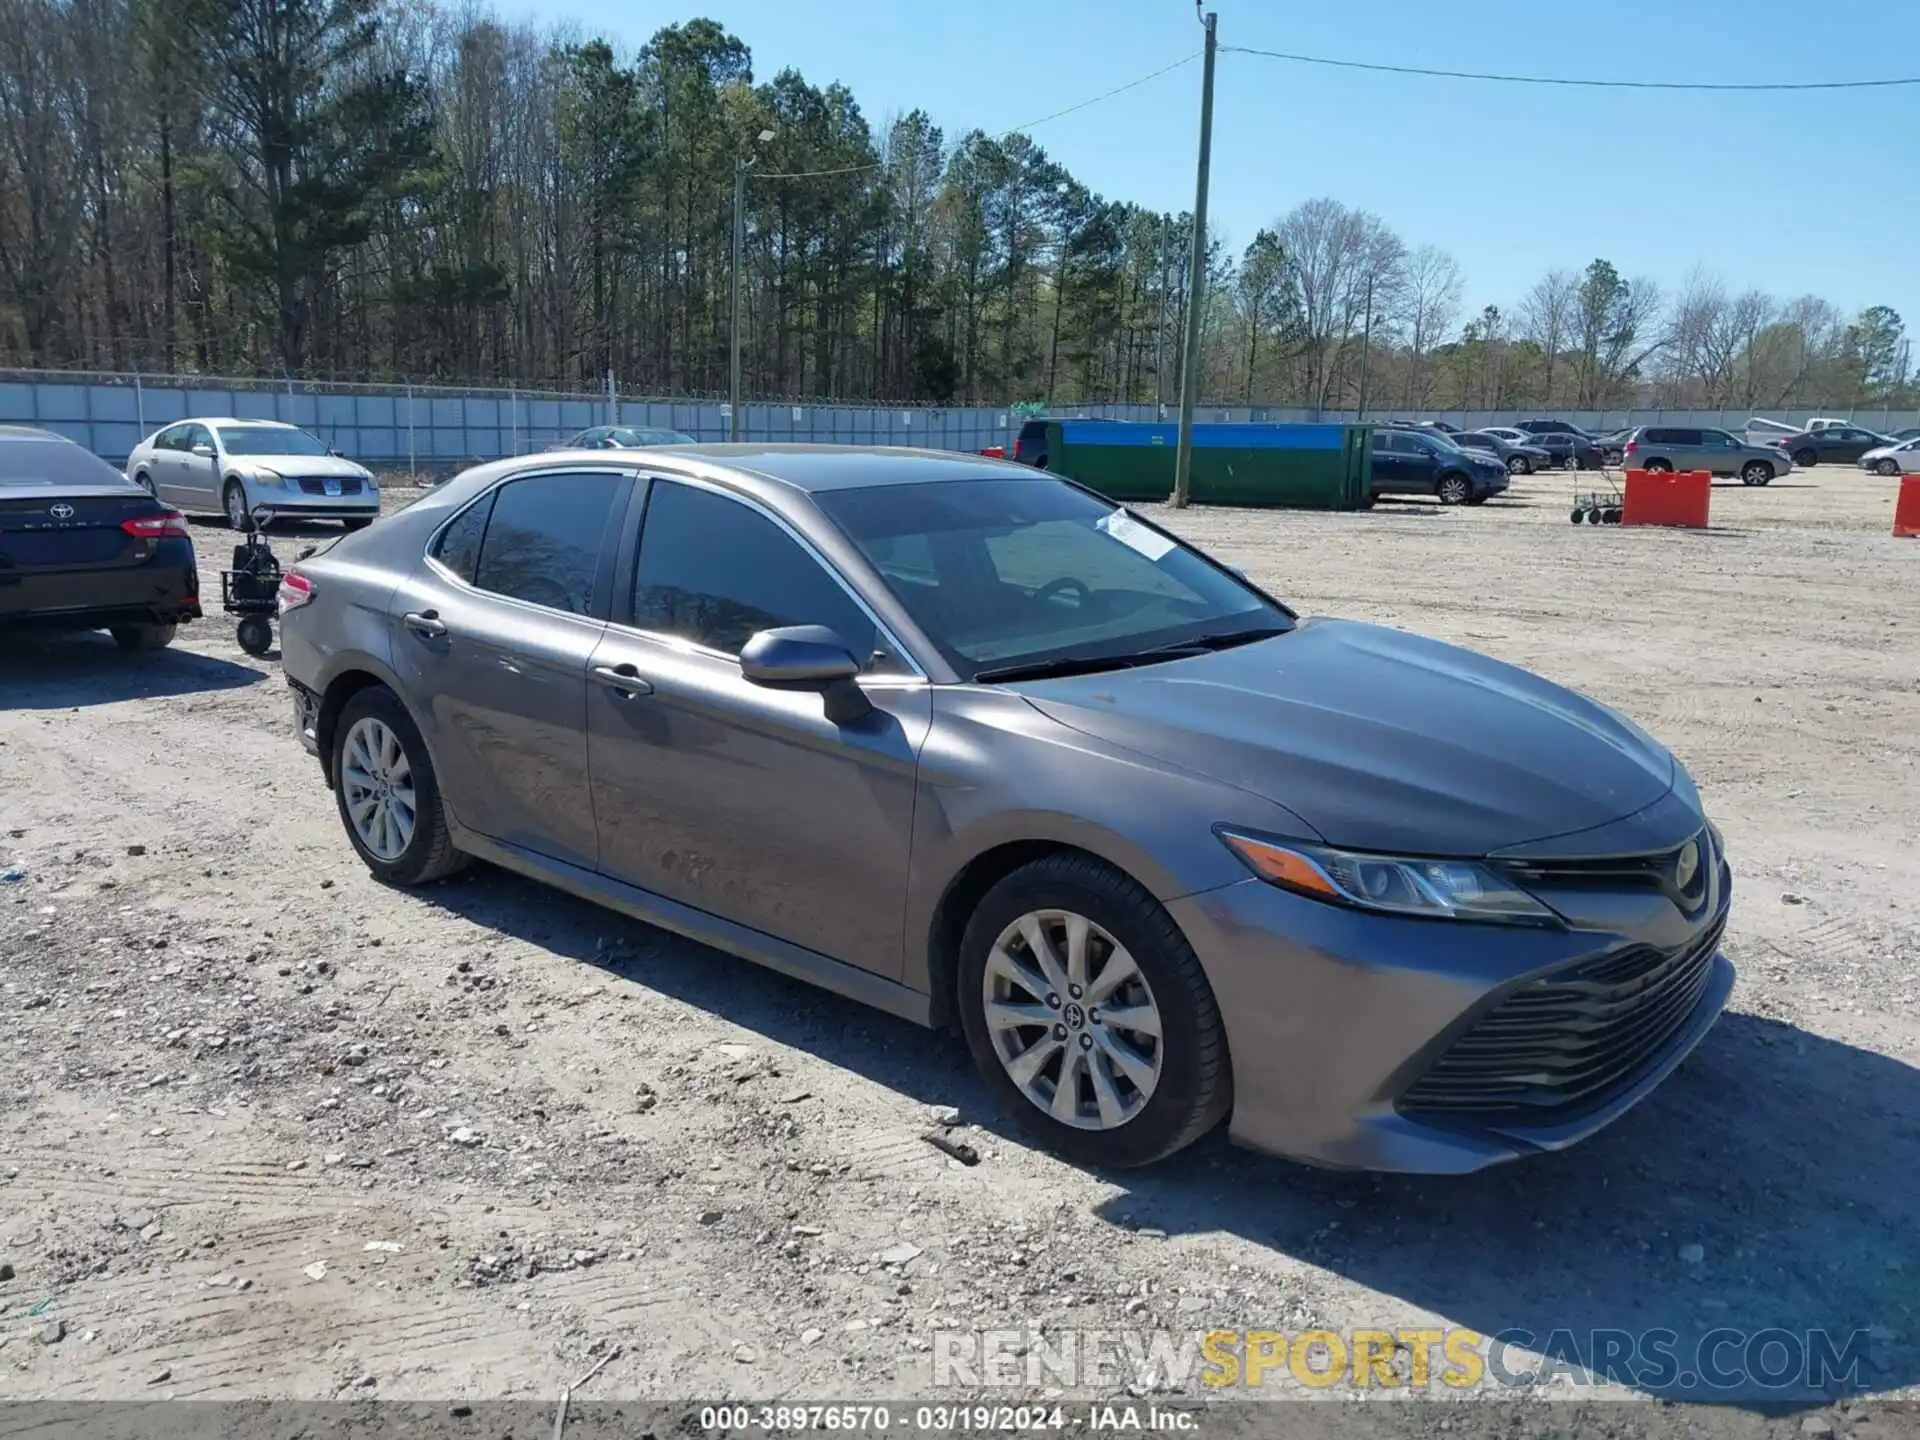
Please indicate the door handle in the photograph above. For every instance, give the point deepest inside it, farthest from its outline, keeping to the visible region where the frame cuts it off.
(427, 624)
(622, 678)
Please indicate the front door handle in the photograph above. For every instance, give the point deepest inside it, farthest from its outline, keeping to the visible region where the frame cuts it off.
(427, 624)
(623, 679)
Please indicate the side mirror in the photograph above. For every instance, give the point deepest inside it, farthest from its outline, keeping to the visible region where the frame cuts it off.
(807, 657)
(203, 450)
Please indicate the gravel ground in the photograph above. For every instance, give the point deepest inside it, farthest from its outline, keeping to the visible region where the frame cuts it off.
(272, 1131)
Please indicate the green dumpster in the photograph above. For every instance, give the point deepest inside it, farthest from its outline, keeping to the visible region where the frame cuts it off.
(1302, 467)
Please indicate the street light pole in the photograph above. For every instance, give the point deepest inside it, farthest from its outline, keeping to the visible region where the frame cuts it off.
(1196, 275)
(739, 250)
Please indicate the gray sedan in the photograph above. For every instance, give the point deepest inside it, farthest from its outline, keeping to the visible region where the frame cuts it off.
(966, 742)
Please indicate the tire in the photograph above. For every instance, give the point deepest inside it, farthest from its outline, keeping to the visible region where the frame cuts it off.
(1886, 466)
(1453, 489)
(1594, 517)
(1191, 1087)
(428, 852)
(1576, 515)
(1756, 472)
(255, 634)
(237, 514)
(1519, 465)
(1611, 515)
(143, 637)
(1658, 467)
(1807, 459)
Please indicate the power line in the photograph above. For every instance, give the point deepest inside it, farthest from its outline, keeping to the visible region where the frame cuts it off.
(1568, 81)
(1017, 129)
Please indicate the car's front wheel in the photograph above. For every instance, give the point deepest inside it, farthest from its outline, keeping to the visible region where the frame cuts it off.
(1886, 465)
(234, 501)
(1757, 472)
(387, 793)
(1453, 490)
(1089, 1015)
(1519, 465)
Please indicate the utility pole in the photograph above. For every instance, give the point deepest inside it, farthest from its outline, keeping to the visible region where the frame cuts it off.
(739, 251)
(1366, 347)
(1196, 272)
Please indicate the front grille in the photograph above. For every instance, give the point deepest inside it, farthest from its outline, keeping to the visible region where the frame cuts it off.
(1564, 1041)
(349, 485)
(1653, 871)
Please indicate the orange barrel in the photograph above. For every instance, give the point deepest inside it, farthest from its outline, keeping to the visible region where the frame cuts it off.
(1906, 510)
(1660, 498)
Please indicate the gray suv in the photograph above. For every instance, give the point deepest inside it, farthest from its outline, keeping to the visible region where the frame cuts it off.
(967, 742)
(1686, 447)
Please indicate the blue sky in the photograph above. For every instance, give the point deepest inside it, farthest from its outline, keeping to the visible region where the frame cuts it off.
(1794, 193)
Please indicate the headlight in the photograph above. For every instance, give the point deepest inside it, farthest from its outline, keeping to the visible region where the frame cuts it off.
(265, 476)
(1436, 889)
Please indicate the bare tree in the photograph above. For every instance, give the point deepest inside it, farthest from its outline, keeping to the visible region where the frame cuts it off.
(1547, 319)
(1429, 301)
(1336, 257)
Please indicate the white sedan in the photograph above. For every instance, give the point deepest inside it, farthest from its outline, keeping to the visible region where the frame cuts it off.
(1903, 458)
(230, 467)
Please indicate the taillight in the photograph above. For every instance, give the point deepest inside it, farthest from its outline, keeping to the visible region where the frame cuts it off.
(1632, 447)
(168, 523)
(295, 590)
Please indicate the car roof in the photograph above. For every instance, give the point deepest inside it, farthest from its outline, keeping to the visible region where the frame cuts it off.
(31, 432)
(811, 469)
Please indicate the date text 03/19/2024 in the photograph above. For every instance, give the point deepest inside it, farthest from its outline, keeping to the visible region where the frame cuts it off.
(1098, 1418)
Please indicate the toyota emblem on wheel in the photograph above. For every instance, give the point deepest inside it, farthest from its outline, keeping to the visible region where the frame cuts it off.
(62, 511)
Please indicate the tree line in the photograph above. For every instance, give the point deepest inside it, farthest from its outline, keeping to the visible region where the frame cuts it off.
(386, 189)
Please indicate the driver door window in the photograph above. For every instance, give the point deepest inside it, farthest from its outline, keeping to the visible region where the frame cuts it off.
(714, 571)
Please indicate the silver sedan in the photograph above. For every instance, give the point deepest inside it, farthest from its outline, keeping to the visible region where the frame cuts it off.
(229, 467)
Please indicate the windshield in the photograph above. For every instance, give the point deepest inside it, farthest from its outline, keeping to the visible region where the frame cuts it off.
(1007, 574)
(268, 440)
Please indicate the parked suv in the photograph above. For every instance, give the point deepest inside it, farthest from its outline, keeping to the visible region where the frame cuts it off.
(1410, 462)
(1682, 447)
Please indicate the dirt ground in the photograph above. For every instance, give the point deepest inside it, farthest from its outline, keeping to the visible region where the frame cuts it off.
(269, 1130)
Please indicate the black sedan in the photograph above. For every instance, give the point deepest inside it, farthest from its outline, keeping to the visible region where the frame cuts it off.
(1575, 452)
(1842, 443)
(1519, 459)
(84, 548)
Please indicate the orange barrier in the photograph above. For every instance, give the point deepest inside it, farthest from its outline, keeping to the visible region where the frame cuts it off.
(1663, 498)
(1906, 509)
(995, 452)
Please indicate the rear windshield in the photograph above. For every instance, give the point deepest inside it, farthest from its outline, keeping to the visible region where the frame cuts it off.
(30, 460)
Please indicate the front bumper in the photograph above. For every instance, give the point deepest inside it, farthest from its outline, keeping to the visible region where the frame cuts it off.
(1333, 1014)
(291, 499)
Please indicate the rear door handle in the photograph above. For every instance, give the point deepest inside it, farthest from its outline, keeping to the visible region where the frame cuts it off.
(622, 678)
(427, 624)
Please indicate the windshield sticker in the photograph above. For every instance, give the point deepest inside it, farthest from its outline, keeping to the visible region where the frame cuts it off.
(1135, 536)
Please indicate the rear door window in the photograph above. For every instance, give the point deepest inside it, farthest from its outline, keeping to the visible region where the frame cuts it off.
(458, 547)
(544, 537)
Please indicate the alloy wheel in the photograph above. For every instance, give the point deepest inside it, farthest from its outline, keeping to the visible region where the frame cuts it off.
(376, 781)
(1453, 490)
(236, 507)
(1072, 1019)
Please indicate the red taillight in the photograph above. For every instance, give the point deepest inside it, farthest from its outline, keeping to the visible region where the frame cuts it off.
(295, 591)
(1632, 447)
(168, 523)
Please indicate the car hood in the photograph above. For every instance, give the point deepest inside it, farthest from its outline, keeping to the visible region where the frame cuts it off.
(1379, 739)
(320, 466)
(1879, 450)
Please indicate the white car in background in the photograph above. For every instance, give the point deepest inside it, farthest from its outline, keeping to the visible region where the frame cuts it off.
(227, 467)
(1899, 459)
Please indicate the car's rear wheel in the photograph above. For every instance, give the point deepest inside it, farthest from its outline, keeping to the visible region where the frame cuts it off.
(234, 500)
(145, 482)
(1089, 1015)
(1756, 472)
(1887, 465)
(1519, 465)
(387, 793)
(143, 637)
(1453, 490)
(1658, 467)
(1806, 458)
